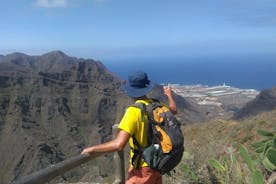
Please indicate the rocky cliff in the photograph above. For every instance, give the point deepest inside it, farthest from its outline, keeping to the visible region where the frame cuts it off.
(265, 101)
(51, 106)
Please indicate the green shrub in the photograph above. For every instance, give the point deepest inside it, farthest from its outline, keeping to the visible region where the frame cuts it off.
(266, 148)
(256, 175)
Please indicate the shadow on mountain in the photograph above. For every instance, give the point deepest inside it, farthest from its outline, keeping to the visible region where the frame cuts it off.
(265, 101)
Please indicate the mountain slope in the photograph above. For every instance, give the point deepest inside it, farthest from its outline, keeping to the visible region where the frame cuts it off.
(221, 140)
(265, 101)
(51, 107)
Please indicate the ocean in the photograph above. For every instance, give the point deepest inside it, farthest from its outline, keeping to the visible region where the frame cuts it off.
(258, 72)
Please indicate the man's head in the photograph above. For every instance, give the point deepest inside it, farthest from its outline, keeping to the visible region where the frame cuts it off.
(138, 84)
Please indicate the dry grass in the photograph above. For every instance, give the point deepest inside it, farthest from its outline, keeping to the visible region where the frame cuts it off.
(220, 139)
(212, 139)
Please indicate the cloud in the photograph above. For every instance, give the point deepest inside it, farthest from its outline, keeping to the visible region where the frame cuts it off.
(51, 3)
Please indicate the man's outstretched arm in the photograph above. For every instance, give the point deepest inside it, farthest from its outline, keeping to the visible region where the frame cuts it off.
(114, 145)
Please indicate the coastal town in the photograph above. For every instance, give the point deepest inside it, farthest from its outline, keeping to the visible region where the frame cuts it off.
(219, 101)
(205, 95)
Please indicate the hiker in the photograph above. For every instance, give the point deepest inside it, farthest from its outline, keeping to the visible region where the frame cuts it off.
(132, 124)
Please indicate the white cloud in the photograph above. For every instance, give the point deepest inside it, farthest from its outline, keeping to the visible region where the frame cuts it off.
(51, 3)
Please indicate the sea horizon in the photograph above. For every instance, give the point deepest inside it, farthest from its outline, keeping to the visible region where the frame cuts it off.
(257, 73)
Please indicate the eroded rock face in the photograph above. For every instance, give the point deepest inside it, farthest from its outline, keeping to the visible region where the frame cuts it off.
(265, 101)
(51, 106)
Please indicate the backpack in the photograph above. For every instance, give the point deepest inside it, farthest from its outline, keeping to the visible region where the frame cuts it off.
(165, 139)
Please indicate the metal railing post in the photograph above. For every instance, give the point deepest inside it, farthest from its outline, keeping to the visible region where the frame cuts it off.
(119, 161)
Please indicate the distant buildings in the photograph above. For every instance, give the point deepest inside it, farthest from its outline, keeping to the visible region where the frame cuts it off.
(215, 95)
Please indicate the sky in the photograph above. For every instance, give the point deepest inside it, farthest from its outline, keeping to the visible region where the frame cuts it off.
(131, 29)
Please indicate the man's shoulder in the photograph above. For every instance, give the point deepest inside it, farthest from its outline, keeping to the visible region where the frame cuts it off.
(148, 101)
(133, 109)
(144, 101)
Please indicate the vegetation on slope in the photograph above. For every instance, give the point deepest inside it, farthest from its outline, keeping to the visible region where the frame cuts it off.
(220, 142)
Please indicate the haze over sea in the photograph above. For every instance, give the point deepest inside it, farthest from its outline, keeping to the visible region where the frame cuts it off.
(255, 72)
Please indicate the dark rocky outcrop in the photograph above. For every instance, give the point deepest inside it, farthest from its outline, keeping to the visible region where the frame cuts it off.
(51, 106)
(265, 101)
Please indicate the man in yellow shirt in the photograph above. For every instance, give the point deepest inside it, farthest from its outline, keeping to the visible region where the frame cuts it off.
(134, 125)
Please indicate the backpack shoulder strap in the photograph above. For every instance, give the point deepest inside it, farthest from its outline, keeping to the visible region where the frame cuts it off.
(148, 108)
(138, 153)
(142, 107)
(154, 104)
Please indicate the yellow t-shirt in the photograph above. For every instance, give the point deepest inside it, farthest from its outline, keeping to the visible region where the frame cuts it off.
(134, 124)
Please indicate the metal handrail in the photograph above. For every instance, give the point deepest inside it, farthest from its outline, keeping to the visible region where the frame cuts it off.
(49, 173)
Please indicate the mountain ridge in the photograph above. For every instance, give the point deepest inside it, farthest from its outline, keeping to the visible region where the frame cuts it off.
(51, 106)
(265, 101)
